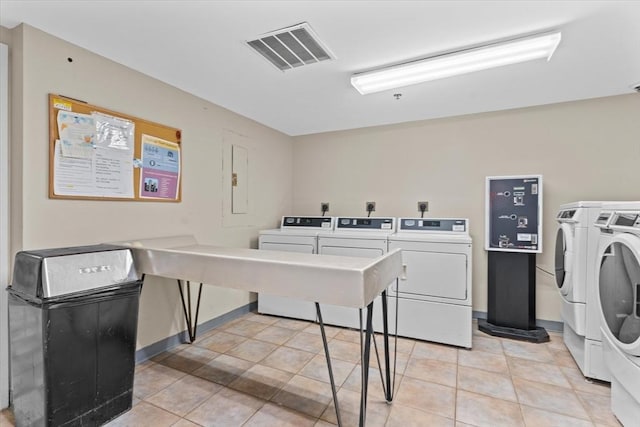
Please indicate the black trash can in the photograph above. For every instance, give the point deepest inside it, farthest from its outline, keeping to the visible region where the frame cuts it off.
(73, 315)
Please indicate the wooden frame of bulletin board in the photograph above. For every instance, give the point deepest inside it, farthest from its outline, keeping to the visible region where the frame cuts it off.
(98, 154)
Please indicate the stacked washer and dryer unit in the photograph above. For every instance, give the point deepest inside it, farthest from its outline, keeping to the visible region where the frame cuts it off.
(575, 254)
(618, 296)
(434, 299)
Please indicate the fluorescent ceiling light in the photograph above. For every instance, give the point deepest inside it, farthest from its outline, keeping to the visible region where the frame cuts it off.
(461, 62)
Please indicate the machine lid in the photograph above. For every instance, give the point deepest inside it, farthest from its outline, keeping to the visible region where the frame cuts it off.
(355, 224)
(619, 291)
(564, 258)
(434, 225)
(307, 222)
(582, 204)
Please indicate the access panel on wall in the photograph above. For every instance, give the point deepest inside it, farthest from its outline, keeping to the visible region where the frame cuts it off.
(99, 154)
(514, 213)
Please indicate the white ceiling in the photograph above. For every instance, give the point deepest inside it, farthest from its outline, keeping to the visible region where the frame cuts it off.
(198, 46)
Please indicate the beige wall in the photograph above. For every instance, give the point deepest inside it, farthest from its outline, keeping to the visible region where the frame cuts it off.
(40, 63)
(588, 150)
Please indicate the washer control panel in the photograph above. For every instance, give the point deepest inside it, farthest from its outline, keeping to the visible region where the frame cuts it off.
(360, 223)
(626, 219)
(603, 219)
(568, 214)
(434, 225)
(314, 222)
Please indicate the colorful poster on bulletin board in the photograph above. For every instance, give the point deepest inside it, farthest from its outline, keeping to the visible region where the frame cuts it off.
(160, 173)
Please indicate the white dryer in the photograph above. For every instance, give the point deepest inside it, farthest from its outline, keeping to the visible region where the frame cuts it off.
(575, 254)
(618, 285)
(296, 234)
(357, 237)
(434, 301)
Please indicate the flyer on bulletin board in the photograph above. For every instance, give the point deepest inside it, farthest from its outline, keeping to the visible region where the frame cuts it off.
(160, 174)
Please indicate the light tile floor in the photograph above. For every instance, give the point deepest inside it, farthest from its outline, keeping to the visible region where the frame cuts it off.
(269, 371)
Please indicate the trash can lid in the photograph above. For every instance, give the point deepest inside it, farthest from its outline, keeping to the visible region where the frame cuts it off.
(50, 273)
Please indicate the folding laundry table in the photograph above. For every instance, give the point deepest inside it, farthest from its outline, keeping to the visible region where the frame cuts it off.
(322, 279)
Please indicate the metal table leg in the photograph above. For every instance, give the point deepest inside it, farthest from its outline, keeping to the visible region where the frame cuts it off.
(366, 336)
(326, 353)
(365, 353)
(385, 328)
(192, 324)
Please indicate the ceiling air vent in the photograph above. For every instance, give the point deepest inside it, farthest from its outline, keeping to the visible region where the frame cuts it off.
(291, 47)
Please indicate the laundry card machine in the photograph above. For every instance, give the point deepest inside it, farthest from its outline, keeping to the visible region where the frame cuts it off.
(296, 234)
(434, 298)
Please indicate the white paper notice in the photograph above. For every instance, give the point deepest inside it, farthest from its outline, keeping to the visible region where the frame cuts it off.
(73, 176)
(113, 160)
(113, 172)
(109, 173)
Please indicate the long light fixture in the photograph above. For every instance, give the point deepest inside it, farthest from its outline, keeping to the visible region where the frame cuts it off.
(456, 63)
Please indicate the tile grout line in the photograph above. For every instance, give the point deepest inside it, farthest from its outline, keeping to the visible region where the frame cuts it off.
(455, 394)
(515, 389)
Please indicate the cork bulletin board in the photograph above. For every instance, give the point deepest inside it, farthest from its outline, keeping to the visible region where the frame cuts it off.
(99, 154)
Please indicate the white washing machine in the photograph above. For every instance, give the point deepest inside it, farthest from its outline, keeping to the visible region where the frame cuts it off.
(618, 285)
(296, 234)
(434, 301)
(575, 254)
(358, 237)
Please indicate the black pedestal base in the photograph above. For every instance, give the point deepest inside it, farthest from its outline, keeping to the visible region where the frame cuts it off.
(537, 335)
